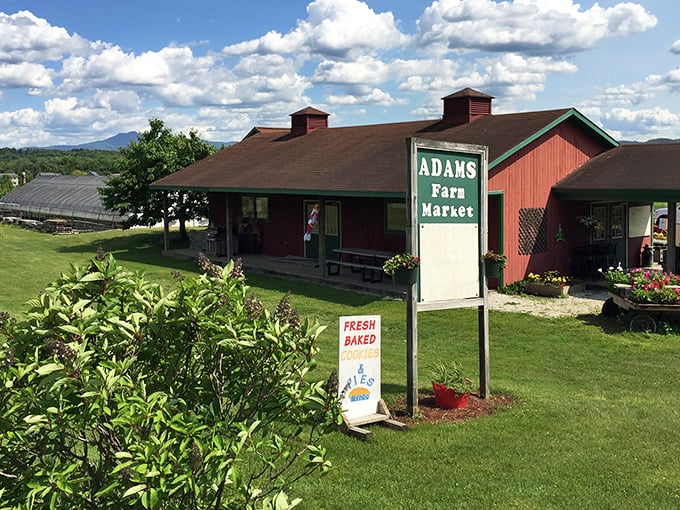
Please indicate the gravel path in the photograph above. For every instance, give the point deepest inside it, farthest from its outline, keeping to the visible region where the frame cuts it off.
(578, 303)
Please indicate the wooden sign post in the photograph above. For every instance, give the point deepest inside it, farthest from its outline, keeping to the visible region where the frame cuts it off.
(448, 220)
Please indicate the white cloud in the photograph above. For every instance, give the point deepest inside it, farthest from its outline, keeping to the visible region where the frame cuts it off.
(333, 28)
(355, 56)
(629, 123)
(24, 74)
(24, 118)
(364, 69)
(112, 67)
(364, 95)
(533, 27)
(648, 117)
(675, 47)
(652, 87)
(512, 76)
(25, 37)
(122, 101)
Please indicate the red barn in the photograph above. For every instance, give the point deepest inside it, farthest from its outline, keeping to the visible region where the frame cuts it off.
(263, 188)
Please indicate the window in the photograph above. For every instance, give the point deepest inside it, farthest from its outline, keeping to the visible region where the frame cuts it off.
(616, 230)
(533, 231)
(600, 231)
(395, 216)
(255, 207)
(332, 220)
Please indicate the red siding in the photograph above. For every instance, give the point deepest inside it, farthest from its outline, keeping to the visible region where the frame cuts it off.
(526, 179)
(217, 208)
(282, 233)
(363, 225)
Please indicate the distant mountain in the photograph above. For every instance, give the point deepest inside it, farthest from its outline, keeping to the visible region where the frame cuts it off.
(116, 142)
(110, 144)
(655, 140)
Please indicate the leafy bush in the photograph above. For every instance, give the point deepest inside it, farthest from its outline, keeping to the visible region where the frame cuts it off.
(114, 392)
(514, 288)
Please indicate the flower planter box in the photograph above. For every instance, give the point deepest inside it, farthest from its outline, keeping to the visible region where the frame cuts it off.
(547, 289)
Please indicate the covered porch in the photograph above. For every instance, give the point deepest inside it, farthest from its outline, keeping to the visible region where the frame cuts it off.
(302, 269)
(633, 177)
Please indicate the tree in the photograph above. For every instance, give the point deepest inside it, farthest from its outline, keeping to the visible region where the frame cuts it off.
(157, 153)
(115, 393)
(5, 185)
(31, 161)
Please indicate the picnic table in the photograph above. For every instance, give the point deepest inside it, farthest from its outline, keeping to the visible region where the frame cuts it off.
(366, 261)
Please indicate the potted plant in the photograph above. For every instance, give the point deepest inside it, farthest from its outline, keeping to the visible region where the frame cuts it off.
(403, 268)
(451, 387)
(493, 263)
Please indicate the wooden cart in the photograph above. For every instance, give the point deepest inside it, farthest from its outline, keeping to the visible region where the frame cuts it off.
(644, 317)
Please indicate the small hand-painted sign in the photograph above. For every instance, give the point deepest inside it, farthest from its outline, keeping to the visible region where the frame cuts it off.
(359, 364)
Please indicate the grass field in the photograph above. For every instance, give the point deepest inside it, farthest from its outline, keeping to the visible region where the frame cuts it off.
(594, 425)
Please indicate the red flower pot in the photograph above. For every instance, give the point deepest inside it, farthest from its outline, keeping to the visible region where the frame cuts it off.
(447, 398)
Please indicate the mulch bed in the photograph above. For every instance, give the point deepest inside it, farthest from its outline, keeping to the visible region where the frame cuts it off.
(428, 412)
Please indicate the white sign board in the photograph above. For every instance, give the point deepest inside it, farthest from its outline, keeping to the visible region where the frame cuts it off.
(448, 212)
(359, 364)
(451, 268)
(639, 221)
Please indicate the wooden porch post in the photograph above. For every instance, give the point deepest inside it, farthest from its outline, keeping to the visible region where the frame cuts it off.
(166, 225)
(323, 269)
(228, 240)
(671, 257)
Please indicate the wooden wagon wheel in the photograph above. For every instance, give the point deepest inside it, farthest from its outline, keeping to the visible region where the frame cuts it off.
(642, 323)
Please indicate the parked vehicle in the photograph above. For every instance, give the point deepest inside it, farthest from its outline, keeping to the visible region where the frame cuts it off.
(661, 217)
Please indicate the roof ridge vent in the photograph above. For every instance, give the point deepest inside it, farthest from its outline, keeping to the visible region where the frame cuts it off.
(465, 106)
(307, 120)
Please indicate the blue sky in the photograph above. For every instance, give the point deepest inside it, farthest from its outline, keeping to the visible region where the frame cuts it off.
(73, 71)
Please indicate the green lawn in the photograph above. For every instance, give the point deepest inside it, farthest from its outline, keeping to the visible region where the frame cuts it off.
(595, 423)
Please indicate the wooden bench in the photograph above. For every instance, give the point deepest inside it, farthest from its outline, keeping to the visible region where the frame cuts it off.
(369, 273)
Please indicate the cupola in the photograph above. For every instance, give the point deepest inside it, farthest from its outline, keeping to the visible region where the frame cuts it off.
(465, 106)
(307, 120)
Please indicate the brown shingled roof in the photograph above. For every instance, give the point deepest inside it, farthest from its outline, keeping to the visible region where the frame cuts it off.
(357, 160)
(644, 172)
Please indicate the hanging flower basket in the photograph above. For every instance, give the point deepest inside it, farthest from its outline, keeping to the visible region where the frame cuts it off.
(493, 263)
(405, 276)
(492, 268)
(403, 268)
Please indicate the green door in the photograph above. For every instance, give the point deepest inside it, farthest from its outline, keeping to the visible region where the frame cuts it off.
(610, 233)
(331, 212)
